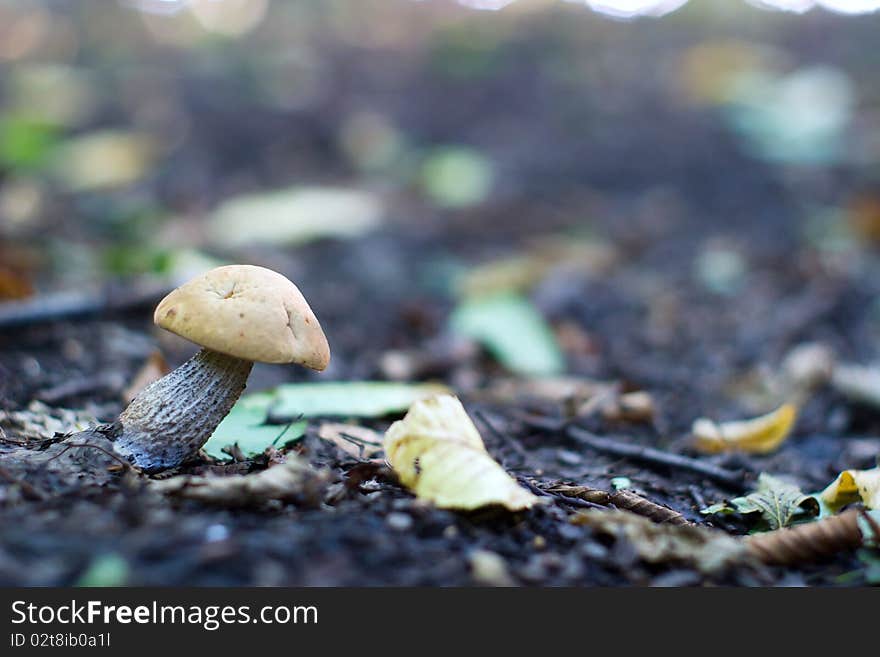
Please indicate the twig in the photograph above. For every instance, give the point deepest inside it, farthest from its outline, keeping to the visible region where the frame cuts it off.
(732, 480)
(69, 305)
(624, 499)
(559, 497)
(813, 541)
(506, 438)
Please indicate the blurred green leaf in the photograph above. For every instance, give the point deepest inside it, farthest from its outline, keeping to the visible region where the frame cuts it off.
(513, 331)
(104, 159)
(105, 570)
(457, 176)
(25, 143)
(349, 399)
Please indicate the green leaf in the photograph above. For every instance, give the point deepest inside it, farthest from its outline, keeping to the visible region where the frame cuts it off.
(246, 426)
(348, 399)
(513, 331)
(108, 570)
(457, 176)
(25, 143)
(778, 502)
(259, 420)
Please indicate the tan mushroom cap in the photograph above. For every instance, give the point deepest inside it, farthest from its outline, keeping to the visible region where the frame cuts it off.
(249, 312)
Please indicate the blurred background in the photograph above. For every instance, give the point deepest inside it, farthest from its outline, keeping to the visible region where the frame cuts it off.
(701, 165)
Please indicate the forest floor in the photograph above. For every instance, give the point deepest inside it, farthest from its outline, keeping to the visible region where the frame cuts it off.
(669, 195)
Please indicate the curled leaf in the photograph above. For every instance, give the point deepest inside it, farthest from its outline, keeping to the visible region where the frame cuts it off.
(759, 435)
(778, 502)
(438, 453)
(853, 486)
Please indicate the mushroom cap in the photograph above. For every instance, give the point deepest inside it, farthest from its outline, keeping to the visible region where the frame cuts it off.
(248, 312)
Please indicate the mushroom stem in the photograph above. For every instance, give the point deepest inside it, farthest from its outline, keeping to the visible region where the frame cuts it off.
(173, 417)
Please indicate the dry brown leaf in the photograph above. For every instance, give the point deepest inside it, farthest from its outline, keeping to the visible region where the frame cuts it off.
(437, 452)
(706, 550)
(360, 442)
(759, 435)
(292, 481)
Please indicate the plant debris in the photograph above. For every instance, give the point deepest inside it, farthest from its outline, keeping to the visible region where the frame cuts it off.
(438, 453)
(759, 435)
(778, 502)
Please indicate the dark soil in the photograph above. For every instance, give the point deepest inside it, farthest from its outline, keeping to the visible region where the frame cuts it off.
(611, 148)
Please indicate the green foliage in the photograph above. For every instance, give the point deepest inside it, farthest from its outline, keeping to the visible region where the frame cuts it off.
(778, 502)
(25, 144)
(510, 327)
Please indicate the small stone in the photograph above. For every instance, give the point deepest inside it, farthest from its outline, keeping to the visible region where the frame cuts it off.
(489, 568)
(399, 522)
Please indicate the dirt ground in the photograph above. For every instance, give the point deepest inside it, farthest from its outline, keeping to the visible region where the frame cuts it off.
(590, 133)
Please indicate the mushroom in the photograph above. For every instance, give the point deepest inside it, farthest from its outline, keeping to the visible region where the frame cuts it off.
(239, 314)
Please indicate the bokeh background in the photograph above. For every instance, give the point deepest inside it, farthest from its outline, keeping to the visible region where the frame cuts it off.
(377, 150)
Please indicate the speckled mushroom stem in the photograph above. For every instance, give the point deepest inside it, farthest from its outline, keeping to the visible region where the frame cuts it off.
(174, 416)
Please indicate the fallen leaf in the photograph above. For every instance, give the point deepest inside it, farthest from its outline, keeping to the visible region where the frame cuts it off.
(858, 383)
(759, 435)
(778, 502)
(104, 159)
(521, 272)
(152, 370)
(707, 551)
(510, 327)
(360, 442)
(853, 486)
(14, 285)
(437, 452)
(457, 176)
(246, 426)
(292, 481)
(258, 421)
(295, 216)
(347, 399)
(40, 421)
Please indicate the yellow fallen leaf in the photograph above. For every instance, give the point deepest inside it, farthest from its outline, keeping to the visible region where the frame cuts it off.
(759, 435)
(438, 453)
(853, 486)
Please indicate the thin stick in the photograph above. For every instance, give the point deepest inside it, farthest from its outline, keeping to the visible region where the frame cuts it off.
(70, 305)
(728, 478)
(559, 497)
